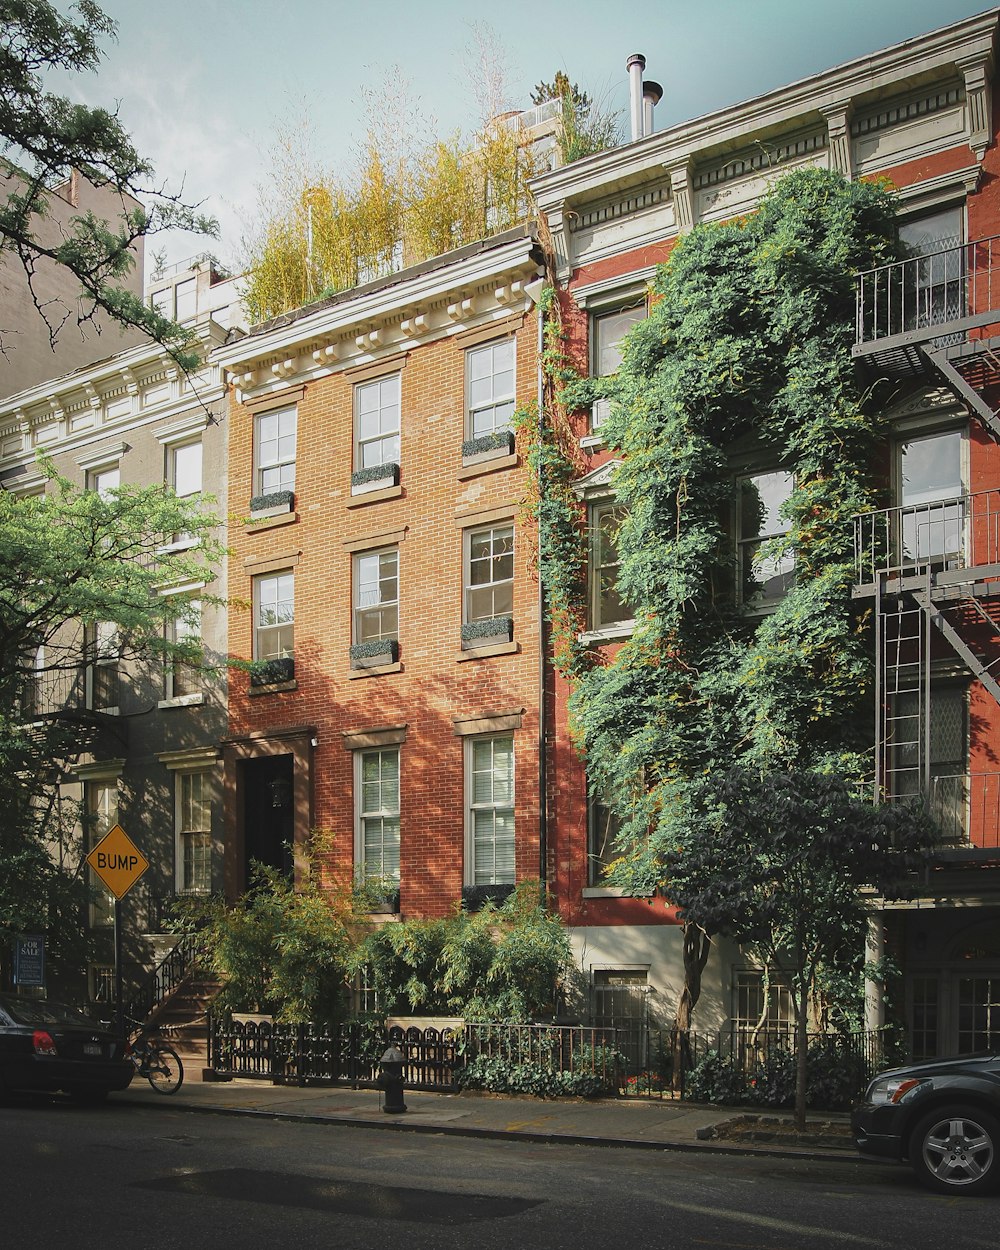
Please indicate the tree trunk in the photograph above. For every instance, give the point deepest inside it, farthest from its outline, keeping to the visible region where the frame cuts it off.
(696, 947)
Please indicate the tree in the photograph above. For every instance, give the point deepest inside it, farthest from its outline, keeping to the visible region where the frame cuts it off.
(586, 127)
(71, 560)
(779, 861)
(45, 137)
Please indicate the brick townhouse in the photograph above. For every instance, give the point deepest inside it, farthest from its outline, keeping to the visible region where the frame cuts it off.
(920, 113)
(383, 587)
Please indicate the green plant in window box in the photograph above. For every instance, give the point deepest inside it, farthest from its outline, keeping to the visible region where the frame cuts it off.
(374, 652)
(486, 446)
(388, 473)
(270, 672)
(376, 894)
(273, 503)
(475, 897)
(491, 630)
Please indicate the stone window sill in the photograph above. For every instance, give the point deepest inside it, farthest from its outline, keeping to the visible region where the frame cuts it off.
(608, 633)
(481, 653)
(377, 670)
(254, 526)
(182, 700)
(375, 496)
(475, 468)
(273, 688)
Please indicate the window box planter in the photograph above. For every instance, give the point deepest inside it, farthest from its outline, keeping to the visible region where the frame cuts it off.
(271, 672)
(375, 477)
(274, 504)
(372, 654)
(488, 447)
(377, 896)
(475, 896)
(489, 633)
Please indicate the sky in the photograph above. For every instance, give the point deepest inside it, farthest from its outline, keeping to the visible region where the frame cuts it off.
(204, 87)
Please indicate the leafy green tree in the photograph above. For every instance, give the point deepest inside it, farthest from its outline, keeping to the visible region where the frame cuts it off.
(779, 861)
(45, 136)
(71, 558)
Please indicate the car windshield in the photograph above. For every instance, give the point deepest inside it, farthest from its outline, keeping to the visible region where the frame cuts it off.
(39, 1011)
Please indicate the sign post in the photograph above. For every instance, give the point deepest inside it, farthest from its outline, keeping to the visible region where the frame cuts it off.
(119, 863)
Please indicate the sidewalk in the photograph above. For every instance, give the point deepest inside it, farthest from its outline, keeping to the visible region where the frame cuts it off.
(639, 1123)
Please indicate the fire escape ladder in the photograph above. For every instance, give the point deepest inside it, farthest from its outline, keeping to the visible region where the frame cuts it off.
(960, 387)
(901, 678)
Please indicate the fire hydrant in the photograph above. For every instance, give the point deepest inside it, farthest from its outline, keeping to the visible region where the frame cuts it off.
(391, 1080)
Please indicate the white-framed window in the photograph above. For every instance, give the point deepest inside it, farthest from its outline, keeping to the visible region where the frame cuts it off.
(376, 791)
(931, 487)
(274, 615)
(608, 327)
(184, 468)
(274, 450)
(606, 604)
(193, 826)
(752, 1010)
(935, 287)
(489, 388)
(376, 422)
(105, 479)
(489, 763)
(100, 801)
(602, 836)
(163, 302)
(181, 677)
(103, 647)
(489, 572)
(376, 594)
(764, 578)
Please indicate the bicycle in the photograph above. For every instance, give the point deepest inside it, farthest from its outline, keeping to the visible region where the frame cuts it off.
(158, 1062)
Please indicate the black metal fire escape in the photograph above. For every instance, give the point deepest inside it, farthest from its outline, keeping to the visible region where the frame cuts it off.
(932, 570)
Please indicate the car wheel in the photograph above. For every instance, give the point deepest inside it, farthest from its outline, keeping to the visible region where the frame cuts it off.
(957, 1150)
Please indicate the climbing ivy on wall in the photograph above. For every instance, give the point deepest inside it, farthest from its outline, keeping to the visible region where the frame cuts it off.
(746, 352)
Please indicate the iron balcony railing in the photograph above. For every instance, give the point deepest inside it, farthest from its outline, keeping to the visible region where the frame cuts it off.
(944, 535)
(954, 285)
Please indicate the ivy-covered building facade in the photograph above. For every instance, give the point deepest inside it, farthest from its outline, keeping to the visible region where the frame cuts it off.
(923, 588)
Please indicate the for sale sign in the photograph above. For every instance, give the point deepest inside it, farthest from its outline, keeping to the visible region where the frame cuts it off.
(29, 960)
(118, 861)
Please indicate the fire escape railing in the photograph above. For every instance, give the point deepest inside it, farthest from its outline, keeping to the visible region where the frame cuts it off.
(950, 535)
(956, 286)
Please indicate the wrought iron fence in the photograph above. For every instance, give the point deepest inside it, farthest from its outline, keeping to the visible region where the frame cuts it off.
(165, 977)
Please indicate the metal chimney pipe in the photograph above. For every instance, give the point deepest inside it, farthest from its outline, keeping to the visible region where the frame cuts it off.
(635, 65)
(652, 94)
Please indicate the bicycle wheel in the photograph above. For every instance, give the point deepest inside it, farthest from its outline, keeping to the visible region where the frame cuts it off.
(165, 1070)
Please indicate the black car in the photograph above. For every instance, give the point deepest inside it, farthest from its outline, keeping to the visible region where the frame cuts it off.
(942, 1117)
(47, 1046)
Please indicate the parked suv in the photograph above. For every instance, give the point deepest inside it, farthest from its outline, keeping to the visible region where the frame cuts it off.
(942, 1117)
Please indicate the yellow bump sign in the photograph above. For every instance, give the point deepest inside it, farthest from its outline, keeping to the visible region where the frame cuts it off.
(118, 861)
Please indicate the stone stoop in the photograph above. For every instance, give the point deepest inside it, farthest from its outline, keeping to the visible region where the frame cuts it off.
(182, 1021)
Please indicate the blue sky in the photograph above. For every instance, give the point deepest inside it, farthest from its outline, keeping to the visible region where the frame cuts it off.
(204, 85)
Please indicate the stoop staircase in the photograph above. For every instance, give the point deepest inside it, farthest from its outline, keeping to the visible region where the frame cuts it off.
(182, 1019)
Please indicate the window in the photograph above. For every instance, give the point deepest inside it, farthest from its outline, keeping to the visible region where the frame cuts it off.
(941, 749)
(489, 388)
(377, 804)
(376, 595)
(103, 647)
(490, 785)
(105, 479)
(193, 810)
(930, 490)
(163, 302)
(100, 801)
(274, 615)
(764, 579)
(186, 295)
(934, 290)
(274, 448)
(602, 835)
(181, 674)
(750, 1011)
(376, 422)
(489, 583)
(924, 1017)
(606, 604)
(184, 468)
(607, 330)
(978, 1013)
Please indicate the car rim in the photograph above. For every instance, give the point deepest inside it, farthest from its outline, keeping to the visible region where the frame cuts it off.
(958, 1151)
